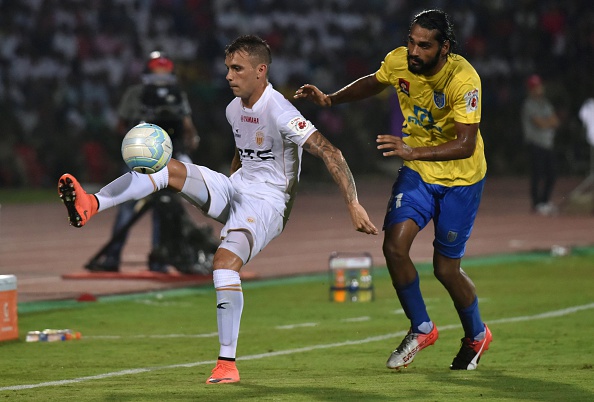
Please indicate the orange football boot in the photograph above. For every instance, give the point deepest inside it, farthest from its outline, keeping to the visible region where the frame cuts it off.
(80, 205)
(224, 372)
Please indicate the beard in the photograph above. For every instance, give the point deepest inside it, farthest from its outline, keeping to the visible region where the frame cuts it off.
(423, 67)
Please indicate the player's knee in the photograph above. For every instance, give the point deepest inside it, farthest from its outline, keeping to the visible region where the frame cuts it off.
(238, 242)
(446, 270)
(394, 251)
(177, 174)
(442, 274)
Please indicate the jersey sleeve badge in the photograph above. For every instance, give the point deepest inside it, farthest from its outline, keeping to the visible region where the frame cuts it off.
(472, 100)
(299, 125)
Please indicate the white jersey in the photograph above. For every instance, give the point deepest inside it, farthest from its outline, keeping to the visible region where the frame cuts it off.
(269, 138)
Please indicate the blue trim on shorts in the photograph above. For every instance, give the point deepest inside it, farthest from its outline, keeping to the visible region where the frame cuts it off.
(453, 209)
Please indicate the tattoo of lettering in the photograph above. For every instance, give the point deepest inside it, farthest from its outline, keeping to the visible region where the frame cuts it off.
(319, 146)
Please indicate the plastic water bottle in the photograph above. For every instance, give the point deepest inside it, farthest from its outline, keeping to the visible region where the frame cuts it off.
(33, 336)
(354, 289)
(52, 335)
(339, 289)
(365, 286)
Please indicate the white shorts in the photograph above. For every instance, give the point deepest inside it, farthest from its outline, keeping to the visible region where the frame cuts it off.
(237, 209)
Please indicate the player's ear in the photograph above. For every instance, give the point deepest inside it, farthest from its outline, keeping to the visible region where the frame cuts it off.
(445, 48)
(262, 70)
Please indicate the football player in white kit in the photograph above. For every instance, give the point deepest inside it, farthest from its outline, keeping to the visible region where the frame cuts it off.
(254, 202)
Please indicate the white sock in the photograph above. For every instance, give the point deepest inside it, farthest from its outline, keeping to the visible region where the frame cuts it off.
(426, 327)
(229, 307)
(131, 186)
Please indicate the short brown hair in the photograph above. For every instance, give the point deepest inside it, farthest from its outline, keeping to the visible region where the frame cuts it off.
(253, 45)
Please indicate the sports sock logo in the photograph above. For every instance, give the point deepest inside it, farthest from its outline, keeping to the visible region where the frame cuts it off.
(220, 305)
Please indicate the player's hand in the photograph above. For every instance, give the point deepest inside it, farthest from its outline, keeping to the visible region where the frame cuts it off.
(312, 93)
(361, 219)
(394, 146)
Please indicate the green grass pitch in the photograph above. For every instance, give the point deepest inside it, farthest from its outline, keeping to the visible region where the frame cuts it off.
(296, 345)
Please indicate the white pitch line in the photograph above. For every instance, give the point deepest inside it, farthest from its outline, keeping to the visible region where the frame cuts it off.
(210, 335)
(548, 314)
(356, 319)
(292, 326)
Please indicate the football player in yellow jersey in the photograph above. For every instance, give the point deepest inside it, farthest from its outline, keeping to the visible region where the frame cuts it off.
(442, 177)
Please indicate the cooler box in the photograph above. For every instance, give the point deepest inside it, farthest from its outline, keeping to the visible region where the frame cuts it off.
(8, 308)
(350, 277)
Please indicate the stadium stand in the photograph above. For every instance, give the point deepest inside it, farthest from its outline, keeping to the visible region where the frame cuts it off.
(64, 65)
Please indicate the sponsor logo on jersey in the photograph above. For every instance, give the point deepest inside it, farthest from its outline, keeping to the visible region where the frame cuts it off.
(423, 118)
(439, 99)
(404, 86)
(299, 125)
(252, 154)
(250, 119)
(472, 100)
(259, 138)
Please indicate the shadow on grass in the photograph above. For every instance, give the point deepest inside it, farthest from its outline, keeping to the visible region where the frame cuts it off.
(499, 385)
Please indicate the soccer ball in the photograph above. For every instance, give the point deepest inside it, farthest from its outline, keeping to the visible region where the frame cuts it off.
(146, 148)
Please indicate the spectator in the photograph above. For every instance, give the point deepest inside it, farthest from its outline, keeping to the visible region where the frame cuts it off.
(540, 122)
(84, 39)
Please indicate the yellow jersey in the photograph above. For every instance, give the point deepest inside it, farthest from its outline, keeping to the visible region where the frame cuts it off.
(430, 106)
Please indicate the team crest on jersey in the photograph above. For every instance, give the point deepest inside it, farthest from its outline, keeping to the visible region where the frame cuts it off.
(299, 125)
(259, 138)
(439, 99)
(251, 219)
(472, 100)
(404, 86)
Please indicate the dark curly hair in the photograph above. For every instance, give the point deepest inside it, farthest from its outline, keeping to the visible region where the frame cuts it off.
(439, 21)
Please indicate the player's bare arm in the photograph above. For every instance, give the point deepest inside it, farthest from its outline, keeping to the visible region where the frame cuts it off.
(460, 148)
(236, 162)
(361, 88)
(319, 146)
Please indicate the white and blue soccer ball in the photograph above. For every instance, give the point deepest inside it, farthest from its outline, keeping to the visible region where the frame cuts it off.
(146, 148)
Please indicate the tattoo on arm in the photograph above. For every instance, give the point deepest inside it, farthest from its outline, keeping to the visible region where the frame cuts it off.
(319, 146)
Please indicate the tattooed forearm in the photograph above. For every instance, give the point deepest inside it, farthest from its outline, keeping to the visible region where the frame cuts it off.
(319, 146)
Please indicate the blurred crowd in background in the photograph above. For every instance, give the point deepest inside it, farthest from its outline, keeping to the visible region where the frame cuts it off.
(64, 65)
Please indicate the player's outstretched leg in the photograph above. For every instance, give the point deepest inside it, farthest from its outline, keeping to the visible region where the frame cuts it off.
(471, 351)
(80, 205)
(409, 347)
(224, 372)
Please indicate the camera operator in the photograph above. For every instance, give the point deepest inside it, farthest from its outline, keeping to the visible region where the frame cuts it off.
(158, 100)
